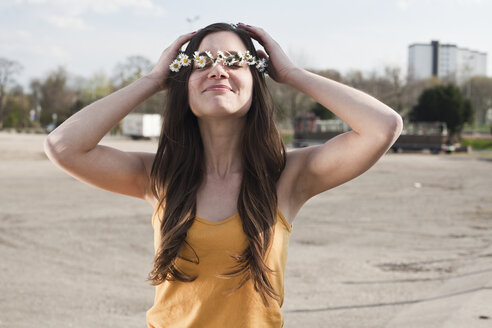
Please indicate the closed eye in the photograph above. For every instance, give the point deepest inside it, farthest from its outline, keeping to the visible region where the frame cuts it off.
(236, 65)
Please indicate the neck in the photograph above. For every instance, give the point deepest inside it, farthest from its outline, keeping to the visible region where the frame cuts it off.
(222, 145)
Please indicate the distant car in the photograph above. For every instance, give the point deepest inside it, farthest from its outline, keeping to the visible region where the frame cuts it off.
(50, 127)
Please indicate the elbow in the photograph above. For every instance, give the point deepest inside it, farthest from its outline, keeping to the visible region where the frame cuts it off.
(397, 126)
(49, 148)
(394, 128)
(389, 132)
(54, 149)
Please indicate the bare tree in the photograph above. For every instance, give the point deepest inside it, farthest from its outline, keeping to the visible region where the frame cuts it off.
(8, 69)
(397, 88)
(288, 101)
(131, 69)
(479, 91)
(36, 95)
(96, 87)
(56, 99)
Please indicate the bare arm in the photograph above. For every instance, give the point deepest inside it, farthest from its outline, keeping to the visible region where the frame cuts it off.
(73, 146)
(375, 127)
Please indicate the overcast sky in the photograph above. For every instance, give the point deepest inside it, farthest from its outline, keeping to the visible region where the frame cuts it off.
(89, 36)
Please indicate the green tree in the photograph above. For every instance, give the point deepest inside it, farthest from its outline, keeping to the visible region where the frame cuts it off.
(17, 108)
(8, 69)
(55, 97)
(444, 103)
(321, 111)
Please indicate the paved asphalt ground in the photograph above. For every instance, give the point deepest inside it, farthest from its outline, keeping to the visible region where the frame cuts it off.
(406, 244)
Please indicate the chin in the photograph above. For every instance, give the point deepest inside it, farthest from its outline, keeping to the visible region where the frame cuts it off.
(220, 111)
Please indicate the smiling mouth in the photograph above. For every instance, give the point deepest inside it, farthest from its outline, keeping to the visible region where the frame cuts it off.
(222, 88)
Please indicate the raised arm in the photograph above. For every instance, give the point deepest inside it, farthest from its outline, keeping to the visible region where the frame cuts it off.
(73, 146)
(375, 127)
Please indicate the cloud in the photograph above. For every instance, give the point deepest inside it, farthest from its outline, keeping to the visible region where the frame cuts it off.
(58, 52)
(80, 7)
(403, 4)
(23, 34)
(71, 14)
(67, 22)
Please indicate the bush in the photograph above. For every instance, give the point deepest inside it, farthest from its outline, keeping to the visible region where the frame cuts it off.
(477, 144)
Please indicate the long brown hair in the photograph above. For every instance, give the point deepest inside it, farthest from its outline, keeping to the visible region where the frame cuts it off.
(178, 171)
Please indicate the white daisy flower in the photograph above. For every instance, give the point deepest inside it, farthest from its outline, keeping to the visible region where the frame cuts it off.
(196, 56)
(211, 58)
(239, 58)
(184, 60)
(201, 61)
(175, 65)
(248, 56)
(229, 60)
(250, 60)
(261, 65)
(220, 55)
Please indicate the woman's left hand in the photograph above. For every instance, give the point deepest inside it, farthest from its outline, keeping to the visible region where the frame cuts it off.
(279, 65)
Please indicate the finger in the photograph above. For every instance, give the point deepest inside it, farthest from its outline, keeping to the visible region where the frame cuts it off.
(169, 54)
(251, 30)
(257, 31)
(258, 34)
(182, 39)
(262, 54)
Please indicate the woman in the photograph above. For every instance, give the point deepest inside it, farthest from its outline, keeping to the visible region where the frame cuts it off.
(220, 157)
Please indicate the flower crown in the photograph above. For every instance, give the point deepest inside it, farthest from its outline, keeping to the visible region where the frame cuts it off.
(231, 59)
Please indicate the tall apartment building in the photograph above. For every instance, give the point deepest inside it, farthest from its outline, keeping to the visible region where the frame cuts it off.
(445, 61)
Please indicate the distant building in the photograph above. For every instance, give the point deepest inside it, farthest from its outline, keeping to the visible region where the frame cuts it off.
(445, 61)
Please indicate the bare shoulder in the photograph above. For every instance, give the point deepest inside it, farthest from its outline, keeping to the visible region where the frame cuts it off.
(148, 161)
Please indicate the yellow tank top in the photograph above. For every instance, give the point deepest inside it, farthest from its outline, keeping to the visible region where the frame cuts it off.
(201, 303)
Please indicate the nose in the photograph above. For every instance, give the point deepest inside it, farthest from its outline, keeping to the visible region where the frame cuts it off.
(218, 72)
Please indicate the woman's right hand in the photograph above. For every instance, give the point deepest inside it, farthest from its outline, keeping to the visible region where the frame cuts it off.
(161, 70)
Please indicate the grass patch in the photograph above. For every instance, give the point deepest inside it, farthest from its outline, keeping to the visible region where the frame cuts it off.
(468, 128)
(477, 144)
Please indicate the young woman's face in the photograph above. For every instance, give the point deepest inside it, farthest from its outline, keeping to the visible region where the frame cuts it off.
(220, 90)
